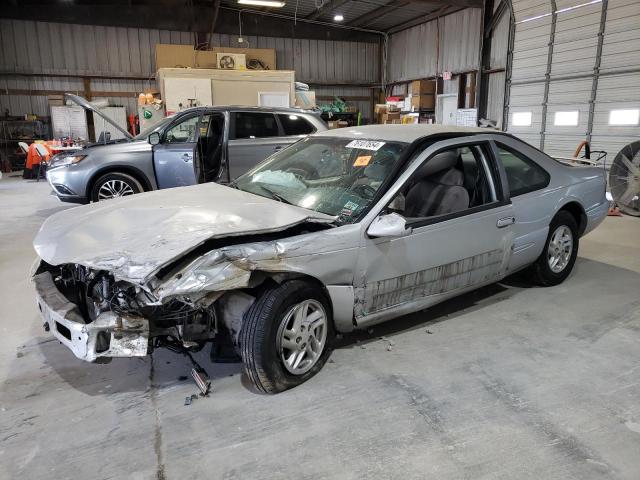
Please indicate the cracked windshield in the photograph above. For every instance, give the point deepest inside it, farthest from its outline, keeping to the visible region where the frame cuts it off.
(335, 176)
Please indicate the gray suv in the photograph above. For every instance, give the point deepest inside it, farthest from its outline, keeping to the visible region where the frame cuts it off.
(203, 144)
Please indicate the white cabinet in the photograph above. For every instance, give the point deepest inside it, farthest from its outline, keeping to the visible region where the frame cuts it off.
(184, 92)
(225, 87)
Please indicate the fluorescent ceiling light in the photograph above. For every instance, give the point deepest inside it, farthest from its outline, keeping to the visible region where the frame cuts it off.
(624, 117)
(521, 119)
(566, 119)
(338, 17)
(262, 3)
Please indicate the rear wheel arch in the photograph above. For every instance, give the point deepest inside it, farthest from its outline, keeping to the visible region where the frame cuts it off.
(578, 213)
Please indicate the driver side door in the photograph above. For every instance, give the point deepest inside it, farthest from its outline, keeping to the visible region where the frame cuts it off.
(173, 157)
(440, 255)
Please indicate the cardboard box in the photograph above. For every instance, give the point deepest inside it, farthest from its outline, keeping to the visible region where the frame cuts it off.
(387, 117)
(306, 99)
(380, 108)
(174, 56)
(206, 59)
(56, 100)
(423, 102)
(231, 61)
(422, 87)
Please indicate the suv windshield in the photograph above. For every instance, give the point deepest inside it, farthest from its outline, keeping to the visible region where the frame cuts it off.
(157, 127)
(335, 176)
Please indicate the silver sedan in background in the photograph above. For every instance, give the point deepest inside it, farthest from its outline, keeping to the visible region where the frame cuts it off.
(343, 230)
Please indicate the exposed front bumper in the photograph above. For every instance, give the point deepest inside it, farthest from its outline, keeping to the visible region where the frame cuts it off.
(109, 335)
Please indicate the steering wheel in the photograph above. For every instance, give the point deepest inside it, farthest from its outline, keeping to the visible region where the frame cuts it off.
(302, 172)
(365, 191)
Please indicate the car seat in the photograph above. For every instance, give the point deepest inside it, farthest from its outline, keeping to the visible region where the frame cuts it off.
(438, 188)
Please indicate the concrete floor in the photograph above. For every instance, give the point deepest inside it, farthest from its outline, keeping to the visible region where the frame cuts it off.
(510, 382)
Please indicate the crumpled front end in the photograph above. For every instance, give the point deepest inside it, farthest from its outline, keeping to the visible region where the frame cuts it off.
(109, 335)
(97, 317)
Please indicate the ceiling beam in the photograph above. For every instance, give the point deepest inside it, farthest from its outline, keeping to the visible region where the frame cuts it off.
(216, 10)
(327, 7)
(375, 14)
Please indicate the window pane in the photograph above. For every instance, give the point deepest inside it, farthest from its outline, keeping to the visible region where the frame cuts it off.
(521, 119)
(523, 175)
(624, 117)
(183, 132)
(295, 125)
(451, 181)
(255, 125)
(566, 119)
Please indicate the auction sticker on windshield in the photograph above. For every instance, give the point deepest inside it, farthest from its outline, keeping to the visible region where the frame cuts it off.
(365, 145)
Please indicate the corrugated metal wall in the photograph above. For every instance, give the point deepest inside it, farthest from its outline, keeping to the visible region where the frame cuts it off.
(498, 60)
(556, 68)
(65, 49)
(412, 53)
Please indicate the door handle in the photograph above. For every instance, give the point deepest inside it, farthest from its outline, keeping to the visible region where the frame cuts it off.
(186, 157)
(277, 148)
(505, 222)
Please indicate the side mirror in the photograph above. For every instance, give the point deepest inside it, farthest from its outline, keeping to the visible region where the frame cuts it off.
(154, 138)
(390, 225)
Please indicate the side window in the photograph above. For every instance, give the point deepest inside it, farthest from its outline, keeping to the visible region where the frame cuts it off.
(523, 174)
(295, 125)
(255, 125)
(451, 181)
(182, 132)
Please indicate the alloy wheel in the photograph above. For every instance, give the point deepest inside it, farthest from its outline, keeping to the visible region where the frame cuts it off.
(302, 336)
(114, 189)
(560, 249)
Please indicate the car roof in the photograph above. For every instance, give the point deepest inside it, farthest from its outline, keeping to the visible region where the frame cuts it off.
(246, 108)
(400, 133)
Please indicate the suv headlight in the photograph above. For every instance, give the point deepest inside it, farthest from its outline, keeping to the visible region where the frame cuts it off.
(69, 160)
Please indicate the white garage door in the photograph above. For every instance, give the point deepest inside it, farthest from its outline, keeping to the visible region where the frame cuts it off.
(576, 74)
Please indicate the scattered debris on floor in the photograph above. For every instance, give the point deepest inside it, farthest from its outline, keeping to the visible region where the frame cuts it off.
(390, 343)
(189, 400)
(202, 379)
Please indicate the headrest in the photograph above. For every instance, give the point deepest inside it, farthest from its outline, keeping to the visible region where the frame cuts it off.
(452, 177)
(437, 163)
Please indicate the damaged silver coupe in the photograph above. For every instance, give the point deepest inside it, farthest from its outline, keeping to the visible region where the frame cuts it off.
(342, 230)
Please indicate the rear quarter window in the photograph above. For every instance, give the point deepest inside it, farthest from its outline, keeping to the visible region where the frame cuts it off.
(295, 124)
(523, 174)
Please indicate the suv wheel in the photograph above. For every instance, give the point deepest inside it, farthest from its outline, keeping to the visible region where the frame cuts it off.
(115, 185)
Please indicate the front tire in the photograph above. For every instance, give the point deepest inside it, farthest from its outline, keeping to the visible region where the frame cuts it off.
(286, 335)
(115, 185)
(561, 249)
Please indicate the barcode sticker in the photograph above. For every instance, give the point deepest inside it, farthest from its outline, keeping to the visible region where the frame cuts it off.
(365, 145)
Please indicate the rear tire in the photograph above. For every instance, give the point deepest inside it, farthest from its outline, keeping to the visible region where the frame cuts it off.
(114, 185)
(556, 261)
(271, 341)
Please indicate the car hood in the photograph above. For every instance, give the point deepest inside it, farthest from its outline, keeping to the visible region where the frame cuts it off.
(133, 237)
